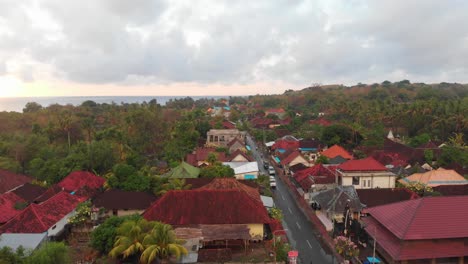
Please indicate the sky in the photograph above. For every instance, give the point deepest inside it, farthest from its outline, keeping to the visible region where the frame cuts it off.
(225, 47)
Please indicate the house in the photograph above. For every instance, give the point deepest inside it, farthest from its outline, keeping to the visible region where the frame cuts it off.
(382, 196)
(236, 144)
(261, 122)
(365, 174)
(199, 157)
(296, 168)
(294, 158)
(50, 216)
(286, 143)
(310, 146)
(183, 170)
(232, 184)
(337, 160)
(426, 230)
(331, 204)
(10, 181)
(316, 178)
(121, 203)
(192, 238)
(239, 156)
(80, 179)
(449, 190)
(244, 170)
(336, 150)
(221, 137)
(435, 178)
(212, 208)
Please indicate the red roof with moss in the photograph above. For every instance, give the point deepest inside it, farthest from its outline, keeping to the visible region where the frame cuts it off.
(193, 207)
(37, 218)
(336, 150)
(7, 206)
(79, 179)
(231, 184)
(320, 174)
(367, 164)
(10, 180)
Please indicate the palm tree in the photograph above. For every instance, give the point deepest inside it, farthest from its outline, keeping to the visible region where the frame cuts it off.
(130, 238)
(161, 243)
(174, 184)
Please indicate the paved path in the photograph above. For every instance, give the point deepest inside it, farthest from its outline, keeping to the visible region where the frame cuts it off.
(300, 231)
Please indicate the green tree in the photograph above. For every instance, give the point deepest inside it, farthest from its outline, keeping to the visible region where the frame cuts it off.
(103, 237)
(8, 256)
(322, 160)
(50, 252)
(162, 243)
(216, 170)
(174, 184)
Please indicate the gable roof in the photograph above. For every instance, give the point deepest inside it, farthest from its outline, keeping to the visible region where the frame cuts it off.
(79, 179)
(310, 144)
(201, 154)
(367, 164)
(449, 190)
(237, 153)
(425, 218)
(192, 207)
(381, 196)
(10, 180)
(231, 184)
(291, 157)
(437, 177)
(183, 170)
(336, 150)
(234, 140)
(297, 167)
(29, 192)
(119, 199)
(37, 218)
(7, 206)
(320, 174)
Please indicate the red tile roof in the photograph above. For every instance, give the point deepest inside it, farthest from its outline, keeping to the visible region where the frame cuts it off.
(10, 180)
(320, 173)
(207, 207)
(239, 152)
(291, 157)
(7, 206)
(119, 199)
(37, 218)
(336, 150)
(425, 218)
(79, 179)
(367, 164)
(201, 154)
(320, 122)
(286, 144)
(414, 249)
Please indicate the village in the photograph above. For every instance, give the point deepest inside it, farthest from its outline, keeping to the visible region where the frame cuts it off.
(294, 200)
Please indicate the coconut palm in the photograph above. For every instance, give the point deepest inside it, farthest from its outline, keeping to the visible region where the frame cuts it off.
(161, 243)
(129, 240)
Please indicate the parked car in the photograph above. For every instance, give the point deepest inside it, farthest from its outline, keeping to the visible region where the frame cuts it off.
(271, 170)
(273, 184)
(266, 165)
(272, 178)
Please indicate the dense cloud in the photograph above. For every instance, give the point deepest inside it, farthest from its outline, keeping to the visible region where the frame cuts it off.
(227, 42)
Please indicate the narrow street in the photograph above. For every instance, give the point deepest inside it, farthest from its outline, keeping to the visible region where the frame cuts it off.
(300, 231)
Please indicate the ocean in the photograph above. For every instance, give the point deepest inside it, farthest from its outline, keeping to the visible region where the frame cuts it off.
(16, 104)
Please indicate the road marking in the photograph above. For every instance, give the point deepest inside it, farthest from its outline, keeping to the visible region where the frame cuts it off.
(298, 225)
(289, 210)
(309, 243)
(283, 197)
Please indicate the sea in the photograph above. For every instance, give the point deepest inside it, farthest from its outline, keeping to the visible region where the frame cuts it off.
(16, 104)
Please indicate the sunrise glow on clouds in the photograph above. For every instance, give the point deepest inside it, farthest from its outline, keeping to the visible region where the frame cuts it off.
(182, 47)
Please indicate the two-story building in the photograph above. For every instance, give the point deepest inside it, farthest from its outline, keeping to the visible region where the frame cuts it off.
(365, 174)
(222, 137)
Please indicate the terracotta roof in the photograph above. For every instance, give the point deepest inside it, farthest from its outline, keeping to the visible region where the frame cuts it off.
(414, 249)
(336, 150)
(260, 122)
(291, 157)
(234, 140)
(10, 180)
(7, 206)
(29, 192)
(37, 218)
(119, 199)
(207, 207)
(239, 152)
(320, 174)
(320, 122)
(79, 179)
(381, 196)
(437, 177)
(276, 227)
(228, 125)
(449, 190)
(286, 144)
(231, 184)
(367, 164)
(416, 219)
(201, 154)
(297, 167)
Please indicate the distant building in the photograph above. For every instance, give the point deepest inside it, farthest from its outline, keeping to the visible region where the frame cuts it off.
(222, 137)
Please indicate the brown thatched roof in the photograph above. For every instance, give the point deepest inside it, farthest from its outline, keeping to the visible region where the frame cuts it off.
(225, 232)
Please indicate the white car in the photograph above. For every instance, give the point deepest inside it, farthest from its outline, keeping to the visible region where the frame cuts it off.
(273, 184)
(271, 170)
(272, 178)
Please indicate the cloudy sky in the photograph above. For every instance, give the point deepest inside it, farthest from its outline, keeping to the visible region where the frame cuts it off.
(225, 47)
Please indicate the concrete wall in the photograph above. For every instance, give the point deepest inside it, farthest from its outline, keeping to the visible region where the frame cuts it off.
(60, 225)
(256, 231)
(239, 158)
(370, 180)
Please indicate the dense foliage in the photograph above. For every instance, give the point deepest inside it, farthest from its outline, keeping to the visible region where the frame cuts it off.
(49, 252)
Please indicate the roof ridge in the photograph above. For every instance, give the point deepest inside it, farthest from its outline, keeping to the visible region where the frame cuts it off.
(414, 216)
(37, 215)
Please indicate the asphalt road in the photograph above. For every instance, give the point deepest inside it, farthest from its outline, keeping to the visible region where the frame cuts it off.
(300, 231)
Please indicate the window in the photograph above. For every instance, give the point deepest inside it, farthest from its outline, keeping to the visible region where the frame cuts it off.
(368, 183)
(355, 180)
(364, 183)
